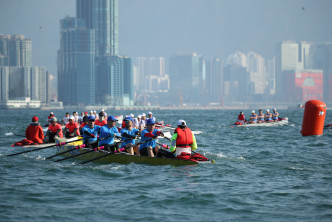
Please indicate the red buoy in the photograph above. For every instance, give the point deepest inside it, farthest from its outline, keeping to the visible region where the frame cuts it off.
(313, 118)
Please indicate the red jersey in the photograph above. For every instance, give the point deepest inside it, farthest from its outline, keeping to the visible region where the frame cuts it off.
(104, 122)
(35, 133)
(55, 129)
(72, 126)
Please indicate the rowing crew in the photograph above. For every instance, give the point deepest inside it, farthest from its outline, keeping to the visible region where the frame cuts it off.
(183, 140)
(258, 118)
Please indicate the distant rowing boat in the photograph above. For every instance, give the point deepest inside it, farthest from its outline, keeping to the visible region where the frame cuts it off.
(122, 157)
(282, 121)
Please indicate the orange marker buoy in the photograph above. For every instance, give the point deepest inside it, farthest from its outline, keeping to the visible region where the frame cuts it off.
(313, 118)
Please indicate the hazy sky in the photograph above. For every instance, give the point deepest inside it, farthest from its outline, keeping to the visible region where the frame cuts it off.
(166, 27)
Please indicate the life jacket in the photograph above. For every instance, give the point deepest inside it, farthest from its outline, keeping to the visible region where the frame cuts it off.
(241, 117)
(184, 138)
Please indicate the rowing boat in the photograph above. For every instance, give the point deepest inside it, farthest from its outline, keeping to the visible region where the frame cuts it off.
(280, 122)
(122, 157)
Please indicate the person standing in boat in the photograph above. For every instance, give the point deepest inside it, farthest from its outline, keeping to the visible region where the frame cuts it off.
(107, 134)
(241, 118)
(54, 129)
(253, 117)
(129, 135)
(150, 148)
(275, 115)
(90, 133)
(34, 132)
(183, 140)
(260, 117)
(268, 116)
(72, 128)
(102, 120)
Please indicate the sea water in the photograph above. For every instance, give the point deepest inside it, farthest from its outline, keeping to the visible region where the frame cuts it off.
(260, 174)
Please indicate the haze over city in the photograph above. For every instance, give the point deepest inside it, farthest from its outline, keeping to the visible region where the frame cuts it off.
(166, 53)
(167, 27)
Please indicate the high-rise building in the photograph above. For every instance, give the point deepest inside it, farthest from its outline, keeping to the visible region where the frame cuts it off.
(24, 82)
(76, 63)
(214, 80)
(289, 56)
(321, 58)
(102, 17)
(185, 73)
(15, 50)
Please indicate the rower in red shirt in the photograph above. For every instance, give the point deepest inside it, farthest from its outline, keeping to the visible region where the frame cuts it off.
(101, 121)
(55, 129)
(34, 132)
(72, 128)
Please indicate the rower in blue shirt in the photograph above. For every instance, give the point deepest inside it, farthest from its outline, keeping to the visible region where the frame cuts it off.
(107, 134)
(90, 133)
(268, 116)
(128, 136)
(253, 117)
(260, 117)
(275, 115)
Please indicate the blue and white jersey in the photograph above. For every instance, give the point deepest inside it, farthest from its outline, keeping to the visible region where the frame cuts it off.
(151, 143)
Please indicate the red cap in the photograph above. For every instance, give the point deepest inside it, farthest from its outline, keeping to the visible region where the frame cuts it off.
(86, 113)
(35, 119)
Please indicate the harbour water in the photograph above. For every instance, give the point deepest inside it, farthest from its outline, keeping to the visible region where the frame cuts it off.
(260, 174)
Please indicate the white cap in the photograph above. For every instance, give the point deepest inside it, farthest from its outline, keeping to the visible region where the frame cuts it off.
(143, 114)
(102, 110)
(253, 111)
(72, 117)
(54, 119)
(94, 111)
(274, 108)
(132, 115)
(149, 113)
(267, 110)
(181, 122)
(139, 116)
(91, 111)
(51, 113)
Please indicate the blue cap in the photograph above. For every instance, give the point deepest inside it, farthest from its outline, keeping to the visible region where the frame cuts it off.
(150, 121)
(129, 118)
(91, 118)
(111, 118)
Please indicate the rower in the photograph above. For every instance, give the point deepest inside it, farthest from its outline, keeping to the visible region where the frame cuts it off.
(151, 117)
(65, 119)
(241, 118)
(135, 123)
(183, 140)
(275, 115)
(107, 134)
(54, 129)
(260, 117)
(83, 124)
(144, 120)
(140, 123)
(34, 132)
(49, 118)
(72, 128)
(268, 116)
(253, 117)
(101, 121)
(90, 133)
(149, 148)
(129, 135)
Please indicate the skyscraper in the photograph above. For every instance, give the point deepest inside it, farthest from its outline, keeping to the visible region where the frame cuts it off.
(76, 63)
(101, 16)
(15, 50)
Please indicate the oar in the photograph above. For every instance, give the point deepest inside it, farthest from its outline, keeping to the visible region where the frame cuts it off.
(79, 154)
(58, 144)
(77, 147)
(14, 134)
(328, 126)
(110, 153)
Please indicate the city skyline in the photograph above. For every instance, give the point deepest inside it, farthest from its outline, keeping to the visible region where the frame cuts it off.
(216, 29)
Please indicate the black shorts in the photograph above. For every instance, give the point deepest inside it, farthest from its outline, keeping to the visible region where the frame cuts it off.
(144, 151)
(111, 147)
(91, 145)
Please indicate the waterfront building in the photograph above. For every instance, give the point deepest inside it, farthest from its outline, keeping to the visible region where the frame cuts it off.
(76, 63)
(24, 82)
(303, 85)
(15, 50)
(185, 73)
(213, 81)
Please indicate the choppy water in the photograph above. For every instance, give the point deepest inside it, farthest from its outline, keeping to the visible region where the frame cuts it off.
(261, 174)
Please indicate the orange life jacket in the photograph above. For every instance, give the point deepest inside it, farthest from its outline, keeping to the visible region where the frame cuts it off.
(241, 117)
(184, 138)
